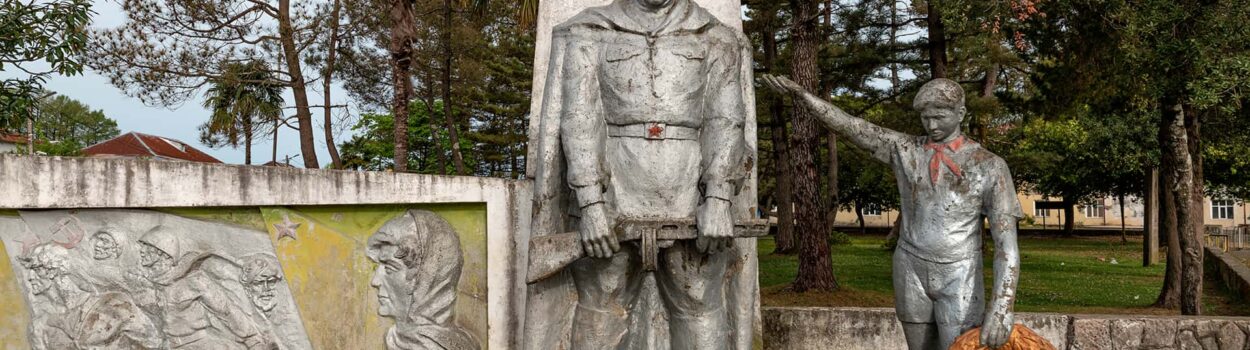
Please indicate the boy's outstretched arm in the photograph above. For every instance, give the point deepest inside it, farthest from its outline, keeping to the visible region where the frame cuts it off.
(877, 140)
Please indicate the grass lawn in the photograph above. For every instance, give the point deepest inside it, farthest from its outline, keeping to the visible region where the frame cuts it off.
(1064, 275)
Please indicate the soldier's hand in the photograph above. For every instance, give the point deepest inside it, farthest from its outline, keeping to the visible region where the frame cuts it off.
(716, 226)
(996, 328)
(596, 232)
(782, 85)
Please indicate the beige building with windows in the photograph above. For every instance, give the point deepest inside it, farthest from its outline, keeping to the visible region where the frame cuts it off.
(1103, 213)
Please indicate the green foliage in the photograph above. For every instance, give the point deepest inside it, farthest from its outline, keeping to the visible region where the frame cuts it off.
(839, 238)
(244, 101)
(52, 33)
(65, 126)
(373, 147)
(491, 72)
(1082, 158)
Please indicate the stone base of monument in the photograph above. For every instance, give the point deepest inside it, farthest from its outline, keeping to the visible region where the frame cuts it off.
(801, 328)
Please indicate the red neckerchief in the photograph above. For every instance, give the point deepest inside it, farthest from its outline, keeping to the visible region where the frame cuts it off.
(940, 157)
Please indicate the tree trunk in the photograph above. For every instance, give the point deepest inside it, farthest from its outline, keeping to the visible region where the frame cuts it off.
(303, 115)
(1123, 231)
(937, 42)
(401, 64)
(781, 154)
(1170, 293)
(435, 141)
(1191, 227)
(815, 267)
(1069, 214)
(331, 56)
(979, 123)
(449, 111)
(859, 215)
(1176, 150)
(276, 127)
(247, 141)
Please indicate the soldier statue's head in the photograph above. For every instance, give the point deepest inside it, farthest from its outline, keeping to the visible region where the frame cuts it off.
(104, 245)
(261, 275)
(45, 266)
(157, 250)
(941, 106)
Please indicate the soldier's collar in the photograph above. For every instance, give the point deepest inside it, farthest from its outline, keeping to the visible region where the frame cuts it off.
(686, 16)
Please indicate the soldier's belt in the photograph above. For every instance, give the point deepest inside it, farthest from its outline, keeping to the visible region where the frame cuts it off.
(654, 131)
(548, 254)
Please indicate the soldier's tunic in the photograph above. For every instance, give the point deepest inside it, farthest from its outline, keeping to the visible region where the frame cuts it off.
(653, 119)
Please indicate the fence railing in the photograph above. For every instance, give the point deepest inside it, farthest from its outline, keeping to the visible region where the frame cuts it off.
(1228, 238)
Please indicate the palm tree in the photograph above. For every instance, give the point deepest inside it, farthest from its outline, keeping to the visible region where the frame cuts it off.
(244, 99)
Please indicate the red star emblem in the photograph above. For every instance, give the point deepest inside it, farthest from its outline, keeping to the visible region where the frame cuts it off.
(655, 131)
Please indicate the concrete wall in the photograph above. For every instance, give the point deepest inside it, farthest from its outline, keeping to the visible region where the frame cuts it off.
(1231, 270)
(78, 183)
(861, 328)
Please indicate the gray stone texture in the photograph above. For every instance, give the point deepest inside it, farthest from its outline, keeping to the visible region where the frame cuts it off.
(1229, 269)
(877, 328)
(79, 183)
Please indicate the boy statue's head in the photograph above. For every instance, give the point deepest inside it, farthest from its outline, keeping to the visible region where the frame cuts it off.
(941, 106)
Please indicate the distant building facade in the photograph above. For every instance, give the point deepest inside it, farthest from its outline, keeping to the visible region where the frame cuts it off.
(140, 145)
(1105, 212)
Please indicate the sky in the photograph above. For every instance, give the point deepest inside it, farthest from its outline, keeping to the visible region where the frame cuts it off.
(179, 122)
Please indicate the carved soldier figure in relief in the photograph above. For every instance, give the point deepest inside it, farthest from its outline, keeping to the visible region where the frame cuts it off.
(198, 312)
(71, 314)
(419, 262)
(104, 246)
(651, 117)
(949, 186)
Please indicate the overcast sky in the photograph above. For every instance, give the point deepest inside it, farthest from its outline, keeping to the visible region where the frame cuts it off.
(178, 122)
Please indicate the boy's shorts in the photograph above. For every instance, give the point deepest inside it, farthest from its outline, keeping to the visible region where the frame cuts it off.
(942, 293)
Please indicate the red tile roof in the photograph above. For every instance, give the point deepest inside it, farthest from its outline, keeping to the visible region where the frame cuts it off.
(133, 144)
(13, 138)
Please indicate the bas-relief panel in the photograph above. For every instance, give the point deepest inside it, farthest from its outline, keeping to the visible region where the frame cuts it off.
(132, 279)
(242, 278)
(325, 252)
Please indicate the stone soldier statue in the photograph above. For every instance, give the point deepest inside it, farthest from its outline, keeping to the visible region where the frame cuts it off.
(643, 119)
(949, 185)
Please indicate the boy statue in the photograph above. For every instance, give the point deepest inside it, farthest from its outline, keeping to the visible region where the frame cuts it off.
(949, 185)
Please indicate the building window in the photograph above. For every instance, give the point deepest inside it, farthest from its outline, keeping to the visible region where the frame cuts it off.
(1039, 212)
(1222, 209)
(871, 210)
(1093, 211)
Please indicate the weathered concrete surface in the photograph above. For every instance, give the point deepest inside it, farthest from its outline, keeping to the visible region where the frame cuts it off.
(74, 183)
(555, 12)
(866, 328)
(1229, 269)
(877, 328)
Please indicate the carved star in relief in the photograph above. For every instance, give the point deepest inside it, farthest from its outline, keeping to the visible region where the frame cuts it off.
(286, 228)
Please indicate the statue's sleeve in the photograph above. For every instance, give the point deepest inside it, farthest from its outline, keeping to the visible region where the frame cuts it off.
(583, 130)
(999, 201)
(721, 138)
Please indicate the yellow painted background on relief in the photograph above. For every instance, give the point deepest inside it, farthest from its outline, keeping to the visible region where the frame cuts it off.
(328, 272)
